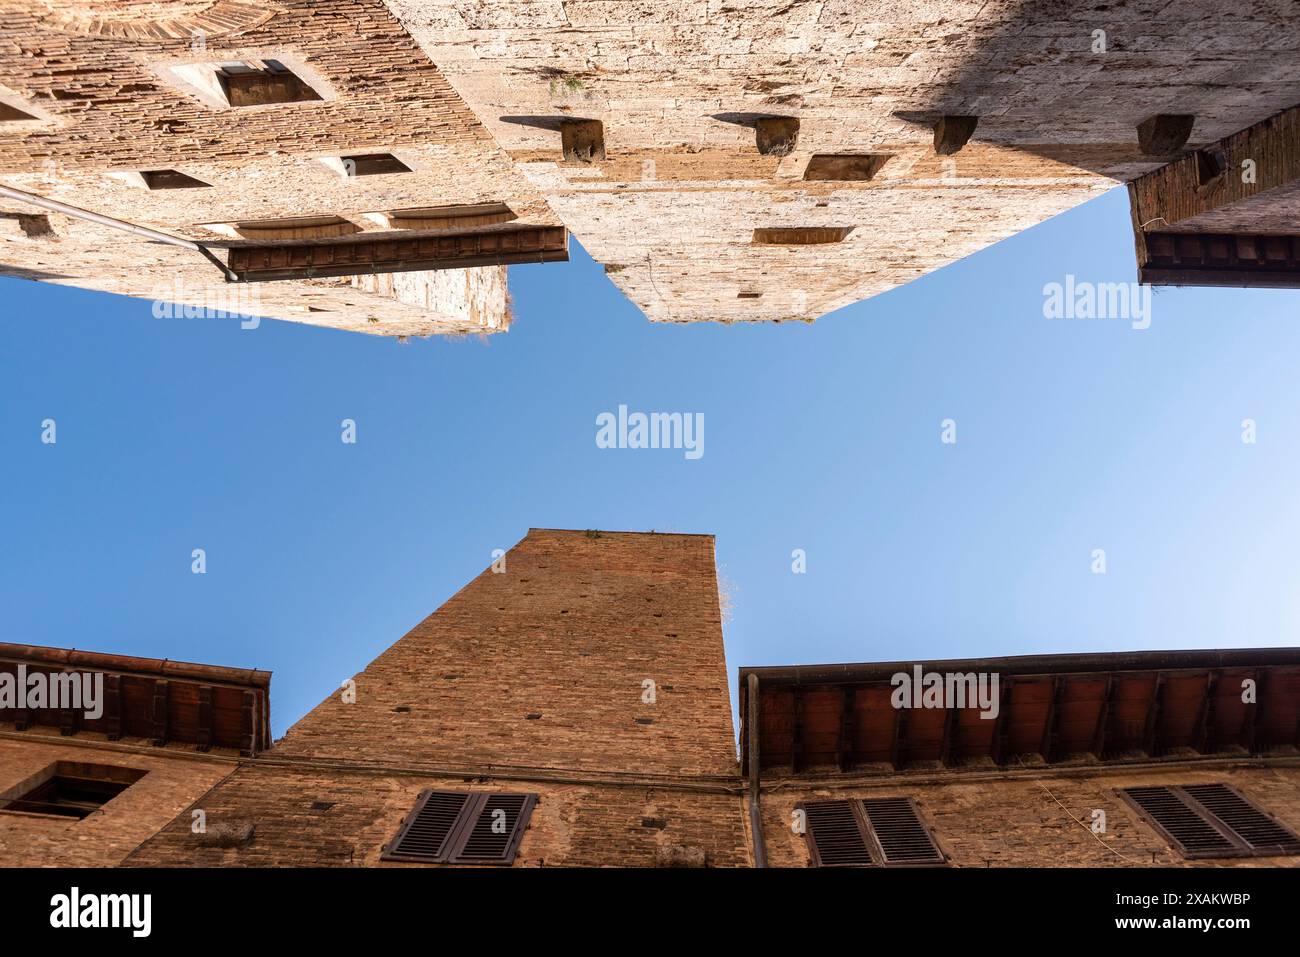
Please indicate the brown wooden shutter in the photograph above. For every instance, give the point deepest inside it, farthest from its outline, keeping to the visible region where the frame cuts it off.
(1260, 832)
(493, 829)
(462, 827)
(836, 832)
(900, 833)
(1212, 820)
(426, 834)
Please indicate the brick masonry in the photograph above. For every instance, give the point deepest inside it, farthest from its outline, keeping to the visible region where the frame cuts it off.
(1013, 821)
(530, 679)
(173, 780)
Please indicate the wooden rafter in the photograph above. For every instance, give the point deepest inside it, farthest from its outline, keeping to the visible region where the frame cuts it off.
(1101, 733)
(1250, 720)
(949, 732)
(1151, 733)
(387, 254)
(845, 756)
(159, 713)
(204, 732)
(796, 733)
(1221, 259)
(1205, 719)
(69, 719)
(896, 750)
(113, 706)
(999, 743)
(1050, 732)
(250, 717)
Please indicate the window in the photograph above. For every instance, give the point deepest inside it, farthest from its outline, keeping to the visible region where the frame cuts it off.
(372, 164)
(1211, 820)
(801, 235)
(245, 83)
(69, 789)
(11, 114)
(875, 832)
(462, 827)
(257, 84)
(170, 179)
(847, 167)
(1211, 164)
(302, 227)
(445, 217)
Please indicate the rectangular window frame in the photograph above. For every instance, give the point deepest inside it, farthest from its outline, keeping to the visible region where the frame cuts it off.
(1240, 845)
(473, 810)
(861, 810)
(62, 777)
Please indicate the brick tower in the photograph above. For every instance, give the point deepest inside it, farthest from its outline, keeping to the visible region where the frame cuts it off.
(574, 694)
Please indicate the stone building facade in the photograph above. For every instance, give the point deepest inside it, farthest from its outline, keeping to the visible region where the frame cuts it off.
(86, 792)
(575, 693)
(315, 134)
(1108, 760)
(855, 199)
(755, 160)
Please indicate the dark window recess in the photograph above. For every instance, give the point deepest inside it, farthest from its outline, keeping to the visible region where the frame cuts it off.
(170, 179)
(844, 167)
(877, 832)
(71, 789)
(11, 114)
(800, 235)
(273, 83)
(1210, 165)
(372, 164)
(1212, 820)
(461, 827)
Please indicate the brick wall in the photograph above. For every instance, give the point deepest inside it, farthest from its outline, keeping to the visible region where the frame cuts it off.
(531, 679)
(106, 836)
(1014, 822)
(587, 825)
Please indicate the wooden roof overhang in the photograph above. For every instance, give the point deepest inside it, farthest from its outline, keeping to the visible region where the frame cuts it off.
(1127, 706)
(168, 702)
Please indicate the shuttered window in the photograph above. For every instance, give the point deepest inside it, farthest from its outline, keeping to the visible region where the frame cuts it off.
(876, 832)
(462, 827)
(1212, 820)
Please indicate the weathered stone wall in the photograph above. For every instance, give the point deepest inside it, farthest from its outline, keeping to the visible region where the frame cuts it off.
(678, 86)
(71, 252)
(95, 75)
(1013, 820)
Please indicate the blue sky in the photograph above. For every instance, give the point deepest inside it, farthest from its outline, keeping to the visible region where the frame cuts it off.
(1072, 435)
